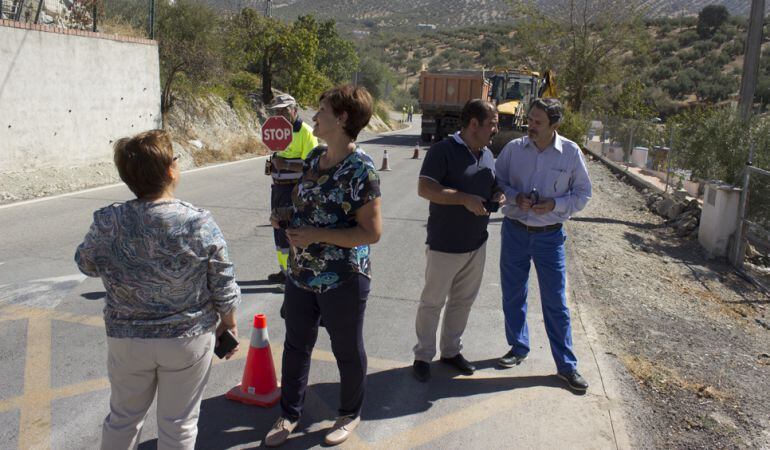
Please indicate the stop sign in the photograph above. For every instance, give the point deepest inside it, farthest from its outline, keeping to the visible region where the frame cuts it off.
(276, 133)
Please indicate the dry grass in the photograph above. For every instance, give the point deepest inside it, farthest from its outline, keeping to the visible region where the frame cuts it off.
(121, 28)
(661, 378)
(232, 151)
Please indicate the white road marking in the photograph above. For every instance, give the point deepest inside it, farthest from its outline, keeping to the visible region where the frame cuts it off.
(42, 293)
(98, 188)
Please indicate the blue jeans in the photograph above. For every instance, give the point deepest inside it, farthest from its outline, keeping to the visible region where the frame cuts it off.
(546, 249)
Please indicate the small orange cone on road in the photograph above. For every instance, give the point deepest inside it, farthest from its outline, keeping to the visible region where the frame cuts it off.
(385, 165)
(416, 154)
(258, 386)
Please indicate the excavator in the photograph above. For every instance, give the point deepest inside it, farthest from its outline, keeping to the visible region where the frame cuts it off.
(512, 91)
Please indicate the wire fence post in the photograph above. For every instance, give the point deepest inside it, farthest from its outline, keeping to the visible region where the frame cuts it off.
(668, 158)
(740, 245)
(151, 22)
(93, 16)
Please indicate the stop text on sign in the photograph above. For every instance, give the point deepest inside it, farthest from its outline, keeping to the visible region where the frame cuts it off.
(278, 134)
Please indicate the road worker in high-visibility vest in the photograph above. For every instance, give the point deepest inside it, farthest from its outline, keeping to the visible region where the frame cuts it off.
(286, 170)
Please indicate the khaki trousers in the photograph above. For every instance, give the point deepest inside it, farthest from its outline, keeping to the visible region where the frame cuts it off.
(453, 279)
(177, 368)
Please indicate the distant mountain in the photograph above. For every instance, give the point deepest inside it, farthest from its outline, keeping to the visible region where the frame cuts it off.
(446, 13)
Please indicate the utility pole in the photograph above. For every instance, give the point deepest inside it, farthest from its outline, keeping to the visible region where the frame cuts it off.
(751, 59)
(267, 74)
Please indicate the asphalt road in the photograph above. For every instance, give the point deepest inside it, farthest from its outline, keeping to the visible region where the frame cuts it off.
(54, 392)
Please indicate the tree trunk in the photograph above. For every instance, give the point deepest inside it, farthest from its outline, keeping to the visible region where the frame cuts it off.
(267, 80)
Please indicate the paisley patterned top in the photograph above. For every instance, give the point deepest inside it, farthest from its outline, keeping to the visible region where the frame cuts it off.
(329, 198)
(164, 266)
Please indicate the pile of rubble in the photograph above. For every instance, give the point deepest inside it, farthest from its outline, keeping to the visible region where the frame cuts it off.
(682, 214)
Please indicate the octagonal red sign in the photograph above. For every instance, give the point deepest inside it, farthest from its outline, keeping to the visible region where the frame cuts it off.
(276, 133)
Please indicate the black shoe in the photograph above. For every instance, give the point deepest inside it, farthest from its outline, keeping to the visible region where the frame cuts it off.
(278, 278)
(421, 371)
(574, 380)
(510, 360)
(460, 364)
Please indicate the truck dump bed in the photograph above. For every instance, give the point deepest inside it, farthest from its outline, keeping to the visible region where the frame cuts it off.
(451, 89)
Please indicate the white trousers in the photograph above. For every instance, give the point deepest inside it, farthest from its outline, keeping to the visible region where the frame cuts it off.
(177, 368)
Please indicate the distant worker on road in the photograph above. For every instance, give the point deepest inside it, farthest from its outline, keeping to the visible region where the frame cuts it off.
(286, 171)
(410, 113)
(458, 177)
(545, 177)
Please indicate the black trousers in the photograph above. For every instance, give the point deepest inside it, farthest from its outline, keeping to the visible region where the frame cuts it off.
(342, 310)
(280, 196)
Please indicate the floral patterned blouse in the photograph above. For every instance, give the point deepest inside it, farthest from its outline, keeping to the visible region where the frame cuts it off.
(329, 199)
(164, 266)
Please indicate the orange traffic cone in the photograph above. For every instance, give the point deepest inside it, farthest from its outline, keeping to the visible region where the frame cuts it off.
(385, 166)
(416, 154)
(258, 386)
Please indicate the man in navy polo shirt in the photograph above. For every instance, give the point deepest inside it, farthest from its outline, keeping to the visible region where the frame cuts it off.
(553, 166)
(458, 177)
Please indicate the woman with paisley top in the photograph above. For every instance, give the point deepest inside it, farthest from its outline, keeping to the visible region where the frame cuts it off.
(336, 217)
(170, 290)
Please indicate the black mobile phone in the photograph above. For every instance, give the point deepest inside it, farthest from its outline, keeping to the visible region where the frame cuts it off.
(491, 206)
(226, 342)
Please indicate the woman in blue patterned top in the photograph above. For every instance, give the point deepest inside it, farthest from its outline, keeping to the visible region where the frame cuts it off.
(169, 280)
(337, 216)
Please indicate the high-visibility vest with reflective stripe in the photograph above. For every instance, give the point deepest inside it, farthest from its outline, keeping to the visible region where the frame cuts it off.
(302, 143)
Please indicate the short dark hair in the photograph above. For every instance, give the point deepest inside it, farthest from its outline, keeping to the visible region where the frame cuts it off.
(354, 100)
(143, 162)
(551, 107)
(478, 109)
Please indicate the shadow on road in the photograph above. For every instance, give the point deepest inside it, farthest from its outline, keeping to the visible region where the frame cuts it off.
(390, 394)
(394, 139)
(642, 226)
(96, 295)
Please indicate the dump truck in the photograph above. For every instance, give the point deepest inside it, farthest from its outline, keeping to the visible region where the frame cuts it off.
(443, 94)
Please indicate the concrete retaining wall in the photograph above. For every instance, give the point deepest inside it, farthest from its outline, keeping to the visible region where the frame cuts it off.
(66, 95)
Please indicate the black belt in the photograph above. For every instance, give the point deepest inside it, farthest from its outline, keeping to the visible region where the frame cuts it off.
(531, 229)
(277, 181)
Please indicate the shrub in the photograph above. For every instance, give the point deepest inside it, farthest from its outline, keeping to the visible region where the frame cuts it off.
(687, 37)
(246, 82)
(714, 143)
(733, 48)
(574, 126)
(667, 48)
(690, 55)
(660, 73)
(673, 63)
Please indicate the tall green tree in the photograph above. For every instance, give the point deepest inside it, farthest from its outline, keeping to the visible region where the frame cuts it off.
(710, 18)
(284, 54)
(337, 57)
(582, 40)
(187, 44)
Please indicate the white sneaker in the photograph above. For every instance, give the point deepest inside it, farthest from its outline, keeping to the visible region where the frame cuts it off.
(341, 430)
(280, 432)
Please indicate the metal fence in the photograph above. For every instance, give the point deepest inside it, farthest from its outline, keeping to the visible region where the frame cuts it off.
(753, 234)
(124, 17)
(646, 145)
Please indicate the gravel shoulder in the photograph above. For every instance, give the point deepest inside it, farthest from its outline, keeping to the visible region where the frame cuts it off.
(688, 335)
